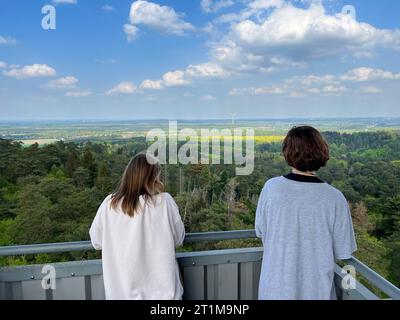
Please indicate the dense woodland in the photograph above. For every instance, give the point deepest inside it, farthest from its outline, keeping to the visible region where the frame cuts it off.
(51, 193)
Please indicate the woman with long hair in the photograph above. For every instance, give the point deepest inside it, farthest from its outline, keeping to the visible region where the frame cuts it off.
(305, 224)
(137, 228)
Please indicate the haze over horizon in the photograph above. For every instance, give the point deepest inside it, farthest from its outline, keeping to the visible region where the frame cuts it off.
(203, 59)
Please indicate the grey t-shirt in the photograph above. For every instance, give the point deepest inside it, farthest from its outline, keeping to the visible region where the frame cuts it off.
(304, 227)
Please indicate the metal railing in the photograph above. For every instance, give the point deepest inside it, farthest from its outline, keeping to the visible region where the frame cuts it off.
(370, 275)
(87, 245)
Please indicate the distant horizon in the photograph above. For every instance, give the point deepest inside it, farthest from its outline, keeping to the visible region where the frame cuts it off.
(200, 120)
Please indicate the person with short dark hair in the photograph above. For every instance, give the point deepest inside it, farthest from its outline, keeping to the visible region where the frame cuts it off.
(305, 224)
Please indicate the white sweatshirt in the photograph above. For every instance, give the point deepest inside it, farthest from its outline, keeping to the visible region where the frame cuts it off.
(138, 253)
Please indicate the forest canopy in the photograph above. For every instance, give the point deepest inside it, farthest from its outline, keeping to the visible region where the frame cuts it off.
(51, 193)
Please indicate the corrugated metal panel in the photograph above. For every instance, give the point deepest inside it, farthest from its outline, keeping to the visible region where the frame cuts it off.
(193, 283)
(222, 274)
(228, 284)
(72, 288)
(2, 291)
(249, 273)
(32, 290)
(13, 291)
(97, 287)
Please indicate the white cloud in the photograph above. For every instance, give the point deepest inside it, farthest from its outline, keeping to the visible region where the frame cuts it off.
(210, 29)
(170, 79)
(297, 86)
(254, 8)
(65, 1)
(369, 74)
(208, 98)
(308, 33)
(122, 88)
(7, 40)
(312, 80)
(31, 71)
(273, 90)
(131, 32)
(265, 4)
(62, 83)
(175, 79)
(313, 90)
(334, 89)
(79, 94)
(107, 7)
(271, 31)
(212, 6)
(370, 90)
(271, 35)
(3, 64)
(151, 85)
(206, 70)
(233, 57)
(181, 78)
(163, 19)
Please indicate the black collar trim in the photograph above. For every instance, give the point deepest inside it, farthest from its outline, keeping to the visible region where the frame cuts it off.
(302, 178)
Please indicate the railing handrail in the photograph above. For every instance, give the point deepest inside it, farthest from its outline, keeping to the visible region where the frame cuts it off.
(59, 247)
(373, 277)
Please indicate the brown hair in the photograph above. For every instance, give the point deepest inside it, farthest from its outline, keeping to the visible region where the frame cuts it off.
(305, 149)
(140, 178)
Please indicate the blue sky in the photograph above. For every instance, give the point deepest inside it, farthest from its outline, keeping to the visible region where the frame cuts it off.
(199, 59)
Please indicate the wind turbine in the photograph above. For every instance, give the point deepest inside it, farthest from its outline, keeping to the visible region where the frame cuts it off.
(233, 116)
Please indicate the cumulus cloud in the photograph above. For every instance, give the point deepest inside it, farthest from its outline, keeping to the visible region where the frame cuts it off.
(208, 98)
(180, 78)
(206, 70)
(308, 33)
(370, 90)
(175, 79)
(65, 1)
(163, 19)
(325, 84)
(271, 35)
(79, 94)
(254, 9)
(313, 80)
(122, 88)
(31, 71)
(274, 90)
(7, 40)
(334, 89)
(369, 74)
(3, 64)
(212, 6)
(265, 4)
(131, 32)
(151, 85)
(62, 83)
(170, 79)
(271, 31)
(107, 7)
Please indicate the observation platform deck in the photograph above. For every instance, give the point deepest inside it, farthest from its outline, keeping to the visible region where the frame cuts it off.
(230, 274)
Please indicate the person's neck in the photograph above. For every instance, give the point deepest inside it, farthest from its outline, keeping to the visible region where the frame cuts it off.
(304, 173)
